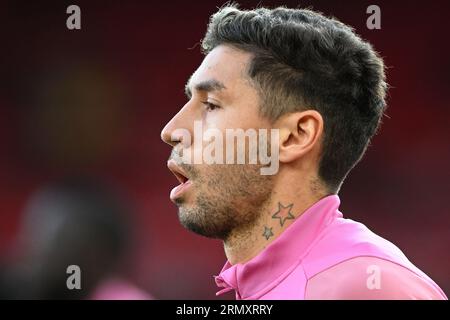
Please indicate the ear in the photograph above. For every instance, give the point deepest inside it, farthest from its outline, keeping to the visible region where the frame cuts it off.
(300, 132)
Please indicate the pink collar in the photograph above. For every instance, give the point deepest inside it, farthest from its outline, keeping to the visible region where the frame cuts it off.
(259, 275)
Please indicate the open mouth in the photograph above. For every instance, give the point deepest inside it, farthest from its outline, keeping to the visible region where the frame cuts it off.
(177, 171)
(181, 176)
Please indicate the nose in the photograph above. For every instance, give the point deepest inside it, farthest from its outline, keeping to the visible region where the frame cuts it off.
(166, 134)
(177, 129)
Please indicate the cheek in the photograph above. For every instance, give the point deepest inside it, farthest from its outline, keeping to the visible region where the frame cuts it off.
(212, 178)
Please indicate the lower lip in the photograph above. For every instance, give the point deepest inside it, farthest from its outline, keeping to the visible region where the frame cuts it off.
(179, 190)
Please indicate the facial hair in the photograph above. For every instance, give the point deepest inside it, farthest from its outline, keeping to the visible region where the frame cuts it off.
(229, 197)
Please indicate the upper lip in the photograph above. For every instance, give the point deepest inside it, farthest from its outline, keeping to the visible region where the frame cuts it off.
(179, 173)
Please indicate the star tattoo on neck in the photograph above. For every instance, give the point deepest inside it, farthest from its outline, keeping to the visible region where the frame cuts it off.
(267, 232)
(283, 213)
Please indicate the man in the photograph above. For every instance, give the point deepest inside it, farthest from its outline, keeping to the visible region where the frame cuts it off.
(322, 90)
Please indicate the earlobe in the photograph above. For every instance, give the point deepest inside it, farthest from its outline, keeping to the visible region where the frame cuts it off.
(300, 133)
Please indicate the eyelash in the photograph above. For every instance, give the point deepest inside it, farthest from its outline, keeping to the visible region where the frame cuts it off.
(210, 106)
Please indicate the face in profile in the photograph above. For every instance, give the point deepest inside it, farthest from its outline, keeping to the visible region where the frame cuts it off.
(216, 199)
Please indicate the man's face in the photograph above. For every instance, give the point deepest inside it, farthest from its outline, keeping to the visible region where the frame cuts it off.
(215, 199)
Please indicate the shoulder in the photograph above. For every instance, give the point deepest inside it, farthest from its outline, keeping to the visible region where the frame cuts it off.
(370, 278)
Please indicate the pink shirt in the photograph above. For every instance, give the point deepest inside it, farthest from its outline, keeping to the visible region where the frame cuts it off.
(119, 289)
(321, 255)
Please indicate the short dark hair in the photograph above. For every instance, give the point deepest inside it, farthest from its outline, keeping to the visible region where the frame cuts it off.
(304, 60)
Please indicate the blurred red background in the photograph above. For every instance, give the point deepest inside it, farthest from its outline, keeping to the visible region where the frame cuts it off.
(94, 102)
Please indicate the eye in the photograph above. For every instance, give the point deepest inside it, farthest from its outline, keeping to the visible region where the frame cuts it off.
(210, 106)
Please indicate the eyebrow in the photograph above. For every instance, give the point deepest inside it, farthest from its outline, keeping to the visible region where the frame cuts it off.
(206, 86)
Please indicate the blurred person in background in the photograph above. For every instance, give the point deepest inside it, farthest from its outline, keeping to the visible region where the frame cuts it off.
(75, 222)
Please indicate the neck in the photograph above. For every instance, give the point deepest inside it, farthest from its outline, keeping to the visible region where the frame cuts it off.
(280, 212)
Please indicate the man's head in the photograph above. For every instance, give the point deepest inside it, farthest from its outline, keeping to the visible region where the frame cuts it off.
(294, 70)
